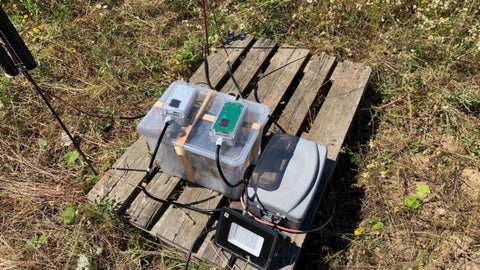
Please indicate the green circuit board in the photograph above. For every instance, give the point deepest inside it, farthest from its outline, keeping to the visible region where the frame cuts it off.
(229, 117)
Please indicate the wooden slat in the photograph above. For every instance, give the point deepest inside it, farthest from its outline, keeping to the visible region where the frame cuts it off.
(299, 105)
(255, 59)
(120, 182)
(333, 121)
(280, 74)
(349, 81)
(143, 212)
(217, 65)
(180, 227)
(209, 252)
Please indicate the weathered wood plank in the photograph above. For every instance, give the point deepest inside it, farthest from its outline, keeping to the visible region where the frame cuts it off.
(212, 253)
(217, 66)
(334, 119)
(209, 252)
(120, 182)
(279, 76)
(180, 227)
(349, 81)
(143, 212)
(299, 106)
(256, 58)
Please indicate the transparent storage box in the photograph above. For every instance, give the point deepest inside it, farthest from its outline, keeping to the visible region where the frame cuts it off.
(199, 147)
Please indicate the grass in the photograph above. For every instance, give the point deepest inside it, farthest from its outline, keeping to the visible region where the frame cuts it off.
(418, 126)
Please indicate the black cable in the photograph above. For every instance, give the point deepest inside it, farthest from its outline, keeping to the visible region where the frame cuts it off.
(148, 177)
(88, 113)
(205, 61)
(22, 56)
(189, 255)
(246, 178)
(255, 93)
(207, 73)
(160, 138)
(30, 79)
(219, 168)
(278, 125)
(181, 205)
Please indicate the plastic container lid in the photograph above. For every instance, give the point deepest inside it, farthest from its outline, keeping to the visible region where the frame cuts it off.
(287, 176)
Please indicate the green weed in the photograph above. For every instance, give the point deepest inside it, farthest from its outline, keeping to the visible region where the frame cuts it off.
(36, 241)
(192, 52)
(69, 215)
(376, 223)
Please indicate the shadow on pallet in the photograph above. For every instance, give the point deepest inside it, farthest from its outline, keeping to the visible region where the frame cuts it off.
(328, 248)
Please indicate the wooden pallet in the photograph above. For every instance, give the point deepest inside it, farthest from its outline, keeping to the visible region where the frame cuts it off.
(304, 92)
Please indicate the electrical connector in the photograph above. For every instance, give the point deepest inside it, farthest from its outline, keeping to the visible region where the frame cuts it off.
(167, 120)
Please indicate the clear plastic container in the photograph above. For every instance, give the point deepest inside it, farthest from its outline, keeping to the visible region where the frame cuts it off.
(200, 148)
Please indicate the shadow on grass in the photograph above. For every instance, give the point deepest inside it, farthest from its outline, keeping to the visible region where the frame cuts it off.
(328, 248)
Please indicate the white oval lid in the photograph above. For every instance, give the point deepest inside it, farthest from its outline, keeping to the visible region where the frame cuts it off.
(287, 174)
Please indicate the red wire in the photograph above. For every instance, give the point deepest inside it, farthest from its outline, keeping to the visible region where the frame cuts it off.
(281, 227)
(207, 50)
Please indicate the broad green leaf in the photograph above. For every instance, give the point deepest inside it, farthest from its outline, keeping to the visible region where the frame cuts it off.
(71, 157)
(375, 220)
(423, 191)
(36, 241)
(376, 223)
(69, 215)
(390, 203)
(42, 143)
(411, 202)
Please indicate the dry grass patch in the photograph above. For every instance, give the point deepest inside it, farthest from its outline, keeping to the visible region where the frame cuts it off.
(417, 129)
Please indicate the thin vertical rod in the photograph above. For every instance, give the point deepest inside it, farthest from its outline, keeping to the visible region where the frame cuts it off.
(207, 49)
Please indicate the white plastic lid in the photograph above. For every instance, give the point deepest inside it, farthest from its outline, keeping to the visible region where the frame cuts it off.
(287, 175)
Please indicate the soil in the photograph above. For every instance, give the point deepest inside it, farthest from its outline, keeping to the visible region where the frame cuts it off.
(471, 183)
